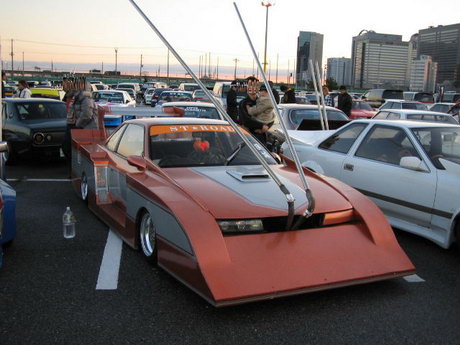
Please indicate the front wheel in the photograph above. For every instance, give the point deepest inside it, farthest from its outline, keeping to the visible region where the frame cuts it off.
(147, 238)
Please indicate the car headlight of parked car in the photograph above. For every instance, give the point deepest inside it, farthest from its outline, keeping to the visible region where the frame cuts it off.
(240, 226)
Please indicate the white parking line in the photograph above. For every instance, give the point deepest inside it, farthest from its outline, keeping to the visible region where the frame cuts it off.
(110, 265)
(413, 279)
(25, 179)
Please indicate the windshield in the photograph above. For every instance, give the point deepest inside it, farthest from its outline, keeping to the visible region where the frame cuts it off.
(424, 97)
(112, 97)
(191, 87)
(393, 94)
(415, 106)
(125, 86)
(174, 146)
(297, 116)
(440, 143)
(179, 96)
(199, 112)
(362, 106)
(40, 111)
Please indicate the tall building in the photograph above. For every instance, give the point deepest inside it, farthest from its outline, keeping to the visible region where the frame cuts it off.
(340, 70)
(309, 46)
(442, 43)
(380, 60)
(423, 74)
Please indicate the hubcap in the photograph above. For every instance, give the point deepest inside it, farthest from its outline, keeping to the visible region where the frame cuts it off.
(84, 187)
(147, 235)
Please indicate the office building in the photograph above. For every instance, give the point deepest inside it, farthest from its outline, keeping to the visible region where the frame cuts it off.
(442, 43)
(309, 46)
(340, 70)
(423, 74)
(380, 60)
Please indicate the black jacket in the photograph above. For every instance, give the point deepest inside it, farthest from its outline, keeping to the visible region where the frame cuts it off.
(232, 105)
(345, 103)
(247, 120)
(276, 95)
(289, 96)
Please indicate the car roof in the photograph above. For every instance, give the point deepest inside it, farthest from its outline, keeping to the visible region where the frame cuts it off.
(111, 91)
(302, 106)
(189, 104)
(31, 100)
(407, 123)
(177, 121)
(444, 103)
(401, 101)
(415, 111)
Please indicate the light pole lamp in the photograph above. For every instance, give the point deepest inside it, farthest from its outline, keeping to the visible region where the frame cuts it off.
(267, 4)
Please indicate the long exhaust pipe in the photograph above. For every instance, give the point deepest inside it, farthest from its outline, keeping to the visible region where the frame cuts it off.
(289, 197)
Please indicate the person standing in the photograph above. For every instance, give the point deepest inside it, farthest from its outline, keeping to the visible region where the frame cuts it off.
(289, 94)
(345, 101)
(328, 101)
(3, 83)
(275, 93)
(23, 90)
(232, 102)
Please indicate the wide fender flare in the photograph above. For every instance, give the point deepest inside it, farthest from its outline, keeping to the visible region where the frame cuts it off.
(313, 166)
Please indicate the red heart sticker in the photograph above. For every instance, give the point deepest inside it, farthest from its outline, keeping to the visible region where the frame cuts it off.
(201, 145)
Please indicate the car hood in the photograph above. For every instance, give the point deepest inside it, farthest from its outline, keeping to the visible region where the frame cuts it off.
(231, 192)
(45, 124)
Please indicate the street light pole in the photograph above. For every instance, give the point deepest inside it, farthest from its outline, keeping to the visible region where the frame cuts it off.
(234, 73)
(116, 60)
(267, 4)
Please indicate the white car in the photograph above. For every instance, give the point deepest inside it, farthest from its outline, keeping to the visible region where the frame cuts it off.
(410, 169)
(195, 109)
(148, 95)
(415, 115)
(113, 98)
(402, 104)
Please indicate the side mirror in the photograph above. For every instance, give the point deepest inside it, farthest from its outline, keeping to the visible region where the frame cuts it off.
(412, 163)
(3, 146)
(138, 162)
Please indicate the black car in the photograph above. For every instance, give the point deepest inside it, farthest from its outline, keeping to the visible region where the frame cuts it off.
(33, 125)
(156, 95)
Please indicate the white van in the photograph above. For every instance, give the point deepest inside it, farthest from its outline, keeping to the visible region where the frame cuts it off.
(188, 87)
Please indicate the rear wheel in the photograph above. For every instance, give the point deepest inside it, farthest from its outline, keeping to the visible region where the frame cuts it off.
(147, 238)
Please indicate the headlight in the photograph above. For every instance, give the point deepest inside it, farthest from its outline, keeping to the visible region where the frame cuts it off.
(239, 226)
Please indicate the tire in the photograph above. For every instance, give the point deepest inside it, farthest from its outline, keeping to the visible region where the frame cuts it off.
(84, 188)
(147, 238)
(10, 157)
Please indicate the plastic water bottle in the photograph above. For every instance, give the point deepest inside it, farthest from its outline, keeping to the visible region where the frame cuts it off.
(68, 223)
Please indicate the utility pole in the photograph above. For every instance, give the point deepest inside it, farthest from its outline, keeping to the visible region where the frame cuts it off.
(102, 67)
(12, 54)
(199, 67)
(52, 67)
(23, 64)
(209, 66)
(140, 68)
(217, 69)
(236, 63)
(116, 60)
(288, 74)
(167, 67)
(277, 58)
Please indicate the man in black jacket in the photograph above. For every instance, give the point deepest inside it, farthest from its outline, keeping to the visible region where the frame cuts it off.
(345, 100)
(232, 103)
(289, 94)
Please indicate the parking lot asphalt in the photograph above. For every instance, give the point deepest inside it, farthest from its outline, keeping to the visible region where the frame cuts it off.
(48, 290)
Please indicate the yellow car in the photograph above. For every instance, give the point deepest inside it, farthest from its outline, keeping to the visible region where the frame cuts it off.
(48, 93)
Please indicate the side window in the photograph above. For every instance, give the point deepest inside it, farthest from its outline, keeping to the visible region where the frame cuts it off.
(343, 139)
(115, 138)
(394, 116)
(395, 105)
(132, 141)
(381, 115)
(386, 144)
(387, 105)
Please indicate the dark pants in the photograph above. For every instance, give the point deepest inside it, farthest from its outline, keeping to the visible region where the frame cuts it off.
(67, 143)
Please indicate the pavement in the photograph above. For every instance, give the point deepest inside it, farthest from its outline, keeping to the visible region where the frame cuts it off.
(48, 290)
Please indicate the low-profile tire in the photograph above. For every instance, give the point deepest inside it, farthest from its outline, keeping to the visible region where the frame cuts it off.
(147, 238)
(84, 188)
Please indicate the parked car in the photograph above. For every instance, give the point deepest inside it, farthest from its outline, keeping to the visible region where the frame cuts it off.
(448, 108)
(131, 92)
(148, 94)
(188, 87)
(48, 93)
(160, 184)
(174, 96)
(199, 96)
(33, 125)
(221, 89)
(114, 98)
(200, 110)
(410, 169)
(376, 97)
(100, 86)
(156, 95)
(415, 115)
(133, 86)
(451, 97)
(9, 91)
(424, 97)
(7, 210)
(402, 104)
(361, 110)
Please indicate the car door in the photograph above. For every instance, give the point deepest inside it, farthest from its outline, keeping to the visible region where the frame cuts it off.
(373, 168)
(331, 153)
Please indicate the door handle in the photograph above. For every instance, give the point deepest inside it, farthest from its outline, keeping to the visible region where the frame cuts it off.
(348, 167)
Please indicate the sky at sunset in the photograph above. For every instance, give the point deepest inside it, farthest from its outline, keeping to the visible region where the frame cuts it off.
(87, 31)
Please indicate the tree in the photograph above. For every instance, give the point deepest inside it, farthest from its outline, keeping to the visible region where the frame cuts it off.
(331, 84)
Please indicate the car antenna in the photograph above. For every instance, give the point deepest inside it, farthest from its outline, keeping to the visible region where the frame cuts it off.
(289, 197)
(311, 200)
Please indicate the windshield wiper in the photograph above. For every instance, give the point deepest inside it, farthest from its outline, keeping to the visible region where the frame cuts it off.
(235, 153)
